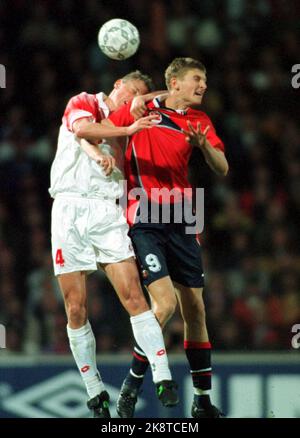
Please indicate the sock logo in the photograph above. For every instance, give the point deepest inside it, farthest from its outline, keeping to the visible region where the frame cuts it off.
(161, 352)
(85, 369)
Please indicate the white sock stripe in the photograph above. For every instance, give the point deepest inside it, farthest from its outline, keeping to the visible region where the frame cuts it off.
(135, 375)
(79, 331)
(199, 391)
(142, 317)
(140, 352)
(202, 370)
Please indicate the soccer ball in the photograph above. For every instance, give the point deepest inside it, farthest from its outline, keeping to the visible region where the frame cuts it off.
(118, 39)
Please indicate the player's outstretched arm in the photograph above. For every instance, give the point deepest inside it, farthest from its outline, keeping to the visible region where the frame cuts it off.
(94, 132)
(138, 105)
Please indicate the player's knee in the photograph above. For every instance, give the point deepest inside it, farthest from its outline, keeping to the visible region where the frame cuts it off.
(133, 300)
(135, 303)
(76, 312)
(132, 296)
(200, 309)
(195, 313)
(164, 310)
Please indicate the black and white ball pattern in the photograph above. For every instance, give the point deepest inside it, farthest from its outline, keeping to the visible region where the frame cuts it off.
(118, 39)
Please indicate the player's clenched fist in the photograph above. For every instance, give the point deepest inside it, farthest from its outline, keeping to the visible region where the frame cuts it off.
(107, 162)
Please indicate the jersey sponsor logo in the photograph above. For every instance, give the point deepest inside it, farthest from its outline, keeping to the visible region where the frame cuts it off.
(158, 115)
(59, 260)
(85, 368)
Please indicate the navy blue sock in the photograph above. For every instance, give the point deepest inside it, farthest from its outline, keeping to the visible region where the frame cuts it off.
(139, 366)
(202, 400)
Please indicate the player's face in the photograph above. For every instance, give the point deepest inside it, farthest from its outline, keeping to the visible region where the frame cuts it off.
(125, 91)
(191, 87)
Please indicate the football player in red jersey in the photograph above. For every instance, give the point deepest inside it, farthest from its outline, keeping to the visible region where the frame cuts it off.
(156, 162)
(89, 229)
(169, 258)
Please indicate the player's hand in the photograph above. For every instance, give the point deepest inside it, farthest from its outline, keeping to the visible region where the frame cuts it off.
(107, 162)
(195, 136)
(138, 107)
(144, 122)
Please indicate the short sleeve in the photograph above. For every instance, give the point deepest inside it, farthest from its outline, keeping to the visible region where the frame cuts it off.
(78, 107)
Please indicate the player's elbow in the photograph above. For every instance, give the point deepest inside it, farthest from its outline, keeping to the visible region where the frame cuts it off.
(80, 131)
(221, 171)
(225, 170)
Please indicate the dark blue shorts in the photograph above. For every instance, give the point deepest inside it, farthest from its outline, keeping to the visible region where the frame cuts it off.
(165, 250)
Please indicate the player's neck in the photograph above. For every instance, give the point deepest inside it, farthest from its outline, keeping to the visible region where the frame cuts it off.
(110, 103)
(176, 103)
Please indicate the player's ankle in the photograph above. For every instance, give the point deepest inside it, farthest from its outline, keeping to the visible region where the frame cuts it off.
(134, 382)
(202, 401)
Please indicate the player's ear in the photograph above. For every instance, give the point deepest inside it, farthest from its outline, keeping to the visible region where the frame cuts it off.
(174, 83)
(118, 83)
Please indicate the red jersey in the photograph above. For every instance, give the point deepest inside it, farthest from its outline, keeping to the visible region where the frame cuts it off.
(158, 157)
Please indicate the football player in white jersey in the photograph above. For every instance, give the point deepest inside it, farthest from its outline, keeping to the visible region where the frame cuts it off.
(89, 230)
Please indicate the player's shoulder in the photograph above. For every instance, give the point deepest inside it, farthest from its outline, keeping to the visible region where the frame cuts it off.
(197, 114)
(82, 100)
(83, 95)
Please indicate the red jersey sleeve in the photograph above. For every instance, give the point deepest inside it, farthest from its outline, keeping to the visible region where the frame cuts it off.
(122, 116)
(82, 105)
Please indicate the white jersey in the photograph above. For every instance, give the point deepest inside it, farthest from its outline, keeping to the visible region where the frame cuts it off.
(73, 171)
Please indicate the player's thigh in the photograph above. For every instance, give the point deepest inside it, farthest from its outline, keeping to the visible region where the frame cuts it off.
(125, 279)
(71, 249)
(110, 238)
(149, 247)
(184, 257)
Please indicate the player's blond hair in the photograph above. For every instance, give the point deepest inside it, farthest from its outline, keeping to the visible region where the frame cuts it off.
(179, 67)
(137, 75)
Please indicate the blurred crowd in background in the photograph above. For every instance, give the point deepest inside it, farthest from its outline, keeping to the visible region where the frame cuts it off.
(251, 235)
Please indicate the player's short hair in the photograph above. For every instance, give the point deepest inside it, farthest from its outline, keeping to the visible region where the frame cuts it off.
(137, 75)
(179, 67)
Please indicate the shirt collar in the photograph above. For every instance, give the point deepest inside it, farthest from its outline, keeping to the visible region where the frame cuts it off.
(101, 103)
(159, 104)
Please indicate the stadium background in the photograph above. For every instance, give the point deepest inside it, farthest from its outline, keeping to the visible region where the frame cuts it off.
(251, 235)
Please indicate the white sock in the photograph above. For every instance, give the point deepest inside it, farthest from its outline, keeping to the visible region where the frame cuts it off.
(148, 335)
(83, 347)
(198, 391)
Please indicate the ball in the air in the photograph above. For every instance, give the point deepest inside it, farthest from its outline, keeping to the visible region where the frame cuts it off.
(118, 39)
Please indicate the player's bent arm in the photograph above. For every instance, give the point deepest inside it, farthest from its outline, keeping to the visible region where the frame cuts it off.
(91, 150)
(106, 161)
(215, 158)
(83, 128)
(94, 132)
(138, 105)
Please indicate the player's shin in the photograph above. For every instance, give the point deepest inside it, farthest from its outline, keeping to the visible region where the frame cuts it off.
(83, 347)
(148, 335)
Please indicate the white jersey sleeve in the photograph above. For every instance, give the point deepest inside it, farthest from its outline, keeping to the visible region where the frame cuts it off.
(73, 171)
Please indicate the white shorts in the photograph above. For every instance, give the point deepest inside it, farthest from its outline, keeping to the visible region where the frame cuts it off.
(86, 232)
